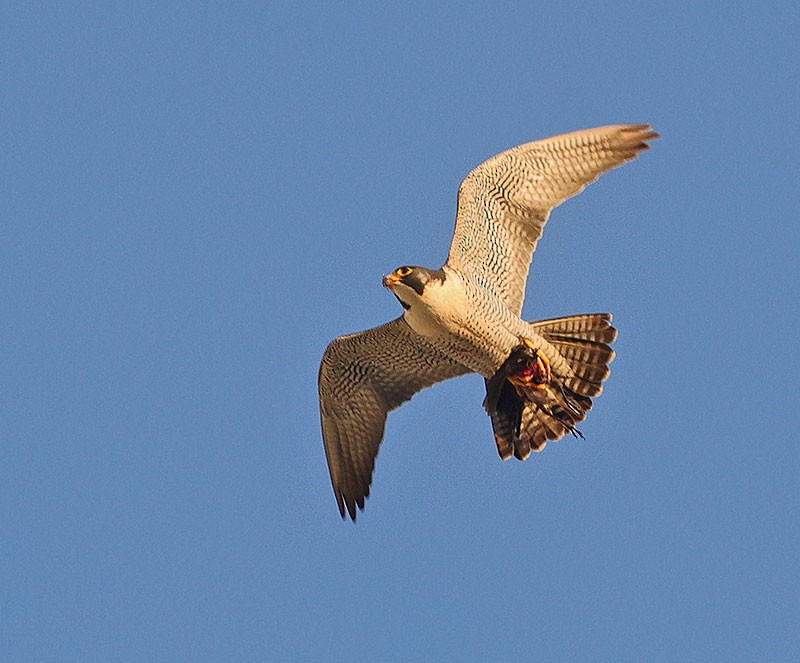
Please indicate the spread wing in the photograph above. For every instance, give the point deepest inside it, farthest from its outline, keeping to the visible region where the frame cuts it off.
(504, 203)
(362, 377)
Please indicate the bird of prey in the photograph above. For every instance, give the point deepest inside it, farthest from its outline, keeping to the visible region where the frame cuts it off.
(465, 317)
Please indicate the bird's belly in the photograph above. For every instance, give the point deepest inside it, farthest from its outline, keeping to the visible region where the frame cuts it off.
(482, 347)
(467, 323)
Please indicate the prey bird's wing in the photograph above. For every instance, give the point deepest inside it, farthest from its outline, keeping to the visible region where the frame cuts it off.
(362, 377)
(504, 203)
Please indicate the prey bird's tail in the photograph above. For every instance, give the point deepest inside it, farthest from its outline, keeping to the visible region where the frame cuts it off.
(545, 387)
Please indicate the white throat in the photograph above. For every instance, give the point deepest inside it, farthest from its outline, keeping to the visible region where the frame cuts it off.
(439, 310)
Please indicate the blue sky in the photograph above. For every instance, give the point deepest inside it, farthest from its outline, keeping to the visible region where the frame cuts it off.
(196, 199)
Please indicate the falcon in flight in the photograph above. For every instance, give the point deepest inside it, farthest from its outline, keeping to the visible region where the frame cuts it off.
(465, 317)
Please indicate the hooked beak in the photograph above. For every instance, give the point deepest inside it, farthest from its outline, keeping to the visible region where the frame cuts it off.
(391, 280)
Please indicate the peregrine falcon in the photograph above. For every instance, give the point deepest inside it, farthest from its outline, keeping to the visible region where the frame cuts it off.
(465, 317)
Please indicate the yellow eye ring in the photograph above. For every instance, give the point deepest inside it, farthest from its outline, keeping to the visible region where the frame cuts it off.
(402, 272)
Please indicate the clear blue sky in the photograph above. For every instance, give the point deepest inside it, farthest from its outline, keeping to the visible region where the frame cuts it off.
(196, 199)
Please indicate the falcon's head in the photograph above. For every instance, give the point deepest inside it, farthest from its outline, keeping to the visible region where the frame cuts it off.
(408, 283)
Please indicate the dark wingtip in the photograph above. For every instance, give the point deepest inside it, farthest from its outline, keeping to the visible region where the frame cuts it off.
(347, 507)
(643, 132)
(648, 136)
(339, 502)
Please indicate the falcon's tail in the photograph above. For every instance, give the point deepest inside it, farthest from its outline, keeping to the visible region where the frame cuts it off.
(548, 400)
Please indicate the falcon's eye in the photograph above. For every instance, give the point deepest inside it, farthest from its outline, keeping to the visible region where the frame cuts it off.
(402, 272)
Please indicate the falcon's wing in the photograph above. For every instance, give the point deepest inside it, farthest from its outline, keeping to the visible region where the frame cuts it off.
(504, 203)
(362, 377)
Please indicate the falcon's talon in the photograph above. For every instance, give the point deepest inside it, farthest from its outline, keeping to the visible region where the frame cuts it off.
(464, 317)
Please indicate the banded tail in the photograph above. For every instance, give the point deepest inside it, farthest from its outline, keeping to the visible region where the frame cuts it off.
(525, 415)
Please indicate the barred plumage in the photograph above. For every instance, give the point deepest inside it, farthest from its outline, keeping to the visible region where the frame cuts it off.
(465, 317)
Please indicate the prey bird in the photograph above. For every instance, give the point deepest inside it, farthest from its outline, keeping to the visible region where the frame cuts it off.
(465, 317)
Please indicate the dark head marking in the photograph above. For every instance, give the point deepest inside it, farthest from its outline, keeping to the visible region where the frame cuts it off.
(402, 303)
(417, 278)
